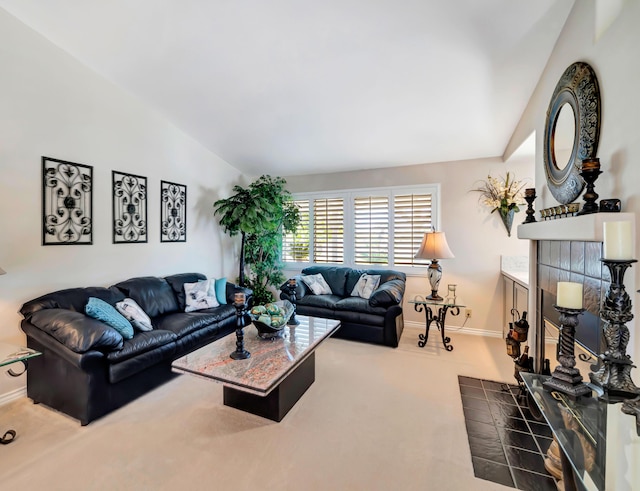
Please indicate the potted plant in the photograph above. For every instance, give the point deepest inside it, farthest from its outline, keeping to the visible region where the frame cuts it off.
(260, 213)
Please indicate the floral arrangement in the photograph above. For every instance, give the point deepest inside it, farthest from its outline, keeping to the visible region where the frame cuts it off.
(502, 195)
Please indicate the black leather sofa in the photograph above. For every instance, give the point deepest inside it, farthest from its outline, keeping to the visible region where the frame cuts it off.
(375, 320)
(87, 370)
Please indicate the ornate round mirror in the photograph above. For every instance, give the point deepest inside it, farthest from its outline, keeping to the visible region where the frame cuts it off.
(572, 131)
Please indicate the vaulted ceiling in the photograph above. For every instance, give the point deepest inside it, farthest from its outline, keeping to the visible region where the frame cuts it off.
(296, 87)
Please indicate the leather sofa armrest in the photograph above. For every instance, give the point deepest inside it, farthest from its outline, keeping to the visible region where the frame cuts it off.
(78, 332)
(84, 361)
(388, 294)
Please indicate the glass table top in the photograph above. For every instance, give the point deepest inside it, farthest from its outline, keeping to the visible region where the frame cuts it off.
(11, 353)
(444, 302)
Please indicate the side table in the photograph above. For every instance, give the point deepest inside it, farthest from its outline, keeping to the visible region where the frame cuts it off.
(10, 354)
(442, 306)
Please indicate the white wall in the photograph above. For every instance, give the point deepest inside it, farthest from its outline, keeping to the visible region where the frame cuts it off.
(52, 105)
(612, 52)
(476, 237)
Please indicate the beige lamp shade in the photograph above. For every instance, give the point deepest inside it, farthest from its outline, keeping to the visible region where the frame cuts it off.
(434, 246)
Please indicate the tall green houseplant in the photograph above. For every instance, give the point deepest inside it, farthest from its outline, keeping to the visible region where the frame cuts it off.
(260, 213)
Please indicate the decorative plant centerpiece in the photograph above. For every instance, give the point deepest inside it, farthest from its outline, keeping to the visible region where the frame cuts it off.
(502, 195)
(260, 213)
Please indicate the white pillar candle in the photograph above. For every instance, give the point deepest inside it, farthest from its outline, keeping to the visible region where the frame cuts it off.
(617, 240)
(569, 295)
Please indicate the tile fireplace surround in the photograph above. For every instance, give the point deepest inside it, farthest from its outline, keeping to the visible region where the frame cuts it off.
(568, 249)
(560, 244)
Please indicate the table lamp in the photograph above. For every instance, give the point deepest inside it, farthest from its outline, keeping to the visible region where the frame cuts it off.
(434, 246)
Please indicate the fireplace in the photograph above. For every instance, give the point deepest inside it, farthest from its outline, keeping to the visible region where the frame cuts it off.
(568, 249)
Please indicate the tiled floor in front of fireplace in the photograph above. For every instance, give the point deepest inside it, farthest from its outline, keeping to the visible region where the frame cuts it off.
(507, 444)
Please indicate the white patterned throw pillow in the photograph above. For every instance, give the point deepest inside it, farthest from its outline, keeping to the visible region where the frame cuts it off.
(197, 296)
(316, 284)
(134, 314)
(366, 285)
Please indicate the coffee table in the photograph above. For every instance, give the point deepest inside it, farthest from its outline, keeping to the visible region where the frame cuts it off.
(274, 377)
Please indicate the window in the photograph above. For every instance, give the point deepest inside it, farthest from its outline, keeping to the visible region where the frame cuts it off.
(371, 229)
(295, 247)
(365, 228)
(328, 230)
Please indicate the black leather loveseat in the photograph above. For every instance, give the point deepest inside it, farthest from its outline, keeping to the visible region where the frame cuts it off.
(87, 369)
(377, 319)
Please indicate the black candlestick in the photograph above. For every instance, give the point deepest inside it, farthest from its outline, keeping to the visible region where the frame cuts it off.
(291, 290)
(613, 375)
(566, 377)
(240, 304)
(590, 171)
(529, 197)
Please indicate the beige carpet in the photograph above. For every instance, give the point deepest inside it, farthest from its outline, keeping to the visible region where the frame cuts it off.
(375, 419)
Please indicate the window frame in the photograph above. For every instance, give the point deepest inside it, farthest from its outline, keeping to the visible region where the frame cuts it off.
(348, 196)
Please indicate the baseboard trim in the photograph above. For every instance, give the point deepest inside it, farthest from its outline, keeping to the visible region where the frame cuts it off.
(13, 395)
(472, 331)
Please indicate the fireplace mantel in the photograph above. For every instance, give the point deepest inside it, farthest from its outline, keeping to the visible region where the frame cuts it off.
(586, 227)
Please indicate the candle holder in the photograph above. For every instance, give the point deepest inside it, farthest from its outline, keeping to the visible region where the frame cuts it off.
(566, 377)
(613, 376)
(291, 291)
(590, 171)
(529, 197)
(240, 303)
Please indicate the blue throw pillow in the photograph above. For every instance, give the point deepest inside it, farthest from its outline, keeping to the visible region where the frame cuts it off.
(218, 289)
(221, 290)
(102, 311)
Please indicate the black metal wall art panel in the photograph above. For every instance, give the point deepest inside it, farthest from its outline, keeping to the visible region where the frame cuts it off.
(173, 212)
(67, 202)
(129, 208)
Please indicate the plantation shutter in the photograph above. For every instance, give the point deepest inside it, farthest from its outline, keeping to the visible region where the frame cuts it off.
(412, 218)
(371, 230)
(295, 247)
(328, 230)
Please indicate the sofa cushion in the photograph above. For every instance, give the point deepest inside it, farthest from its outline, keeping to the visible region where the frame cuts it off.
(177, 282)
(153, 294)
(316, 284)
(366, 285)
(73, 299)
(357, 304)
(198, 297)
(134, 314)
(385, 275)
(388, 294)
(336, 277)
(218, 287)
(101, 310)
(141, 343)
(186, 322)
(77, 331)
(126, 368)
(324, 301)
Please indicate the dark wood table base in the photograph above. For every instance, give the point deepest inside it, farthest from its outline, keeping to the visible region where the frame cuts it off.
(280, 400)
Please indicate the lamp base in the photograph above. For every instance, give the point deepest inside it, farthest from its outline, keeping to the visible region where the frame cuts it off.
(434, 296)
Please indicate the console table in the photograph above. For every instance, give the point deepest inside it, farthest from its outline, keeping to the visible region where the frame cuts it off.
(580, 429)
(10, 354)
(442, 306)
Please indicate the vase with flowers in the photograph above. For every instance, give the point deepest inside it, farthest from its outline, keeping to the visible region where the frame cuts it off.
(502, 195)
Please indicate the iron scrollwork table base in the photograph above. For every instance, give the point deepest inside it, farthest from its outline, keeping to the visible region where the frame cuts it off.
(8, 355)
(442, 308)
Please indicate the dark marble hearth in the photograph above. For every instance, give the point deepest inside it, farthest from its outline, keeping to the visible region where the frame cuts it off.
(507, 444)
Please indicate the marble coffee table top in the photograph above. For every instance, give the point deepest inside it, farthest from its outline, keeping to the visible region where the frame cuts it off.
(271, 359)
